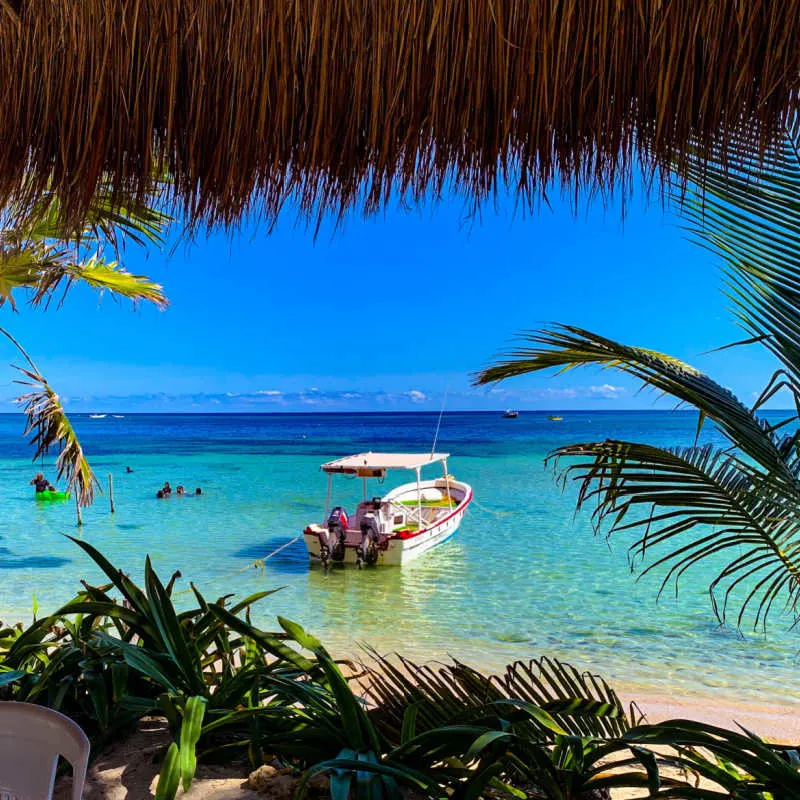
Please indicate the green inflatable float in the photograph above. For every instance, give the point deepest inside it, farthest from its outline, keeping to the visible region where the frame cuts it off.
(48, 495)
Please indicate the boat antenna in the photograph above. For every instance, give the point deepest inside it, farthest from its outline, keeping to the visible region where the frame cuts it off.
(438, 424)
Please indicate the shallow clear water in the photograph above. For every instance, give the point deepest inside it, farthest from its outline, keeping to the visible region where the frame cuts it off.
(521, 578)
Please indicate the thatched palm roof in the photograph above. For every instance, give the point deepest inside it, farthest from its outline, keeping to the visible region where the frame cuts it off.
(340, 101)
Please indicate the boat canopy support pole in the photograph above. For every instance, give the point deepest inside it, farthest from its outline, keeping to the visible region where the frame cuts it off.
(328, 499)
(419, 500)
(447, 484)
(364, 481)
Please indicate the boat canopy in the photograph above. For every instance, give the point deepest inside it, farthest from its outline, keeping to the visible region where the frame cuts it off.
(376, 464)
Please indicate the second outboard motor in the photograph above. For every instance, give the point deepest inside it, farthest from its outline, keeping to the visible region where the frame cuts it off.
(370, 538)
(337, 533)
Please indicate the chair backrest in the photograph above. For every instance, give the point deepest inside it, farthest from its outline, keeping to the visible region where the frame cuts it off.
(31, 740)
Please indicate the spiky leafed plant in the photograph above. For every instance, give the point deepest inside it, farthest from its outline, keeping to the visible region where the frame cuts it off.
(39, 257)
(739, 502)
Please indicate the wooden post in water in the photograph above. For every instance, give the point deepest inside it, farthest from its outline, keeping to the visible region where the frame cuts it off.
(78, 509)
(111, 491)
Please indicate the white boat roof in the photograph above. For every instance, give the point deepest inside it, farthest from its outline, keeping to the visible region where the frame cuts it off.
(383, 461)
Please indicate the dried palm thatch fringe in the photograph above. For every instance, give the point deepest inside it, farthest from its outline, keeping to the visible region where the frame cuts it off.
(50, 426)
(338, 103)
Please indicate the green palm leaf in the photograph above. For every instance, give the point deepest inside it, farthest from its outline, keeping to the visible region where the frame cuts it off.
(442, 694)
(101, 275)
(44, 269)
(566, 347)
(39, 253)
(667, 495)
(747, 212)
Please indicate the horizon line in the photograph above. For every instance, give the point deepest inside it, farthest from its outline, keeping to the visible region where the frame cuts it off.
(387, 412)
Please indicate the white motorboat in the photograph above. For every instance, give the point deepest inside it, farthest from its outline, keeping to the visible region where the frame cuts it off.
(393, 529)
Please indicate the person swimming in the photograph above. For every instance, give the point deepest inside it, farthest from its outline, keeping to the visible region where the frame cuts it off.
(198, 490)
(167, 489)
(128, 470)
(160, 494)
(180, 490)
(41, 483)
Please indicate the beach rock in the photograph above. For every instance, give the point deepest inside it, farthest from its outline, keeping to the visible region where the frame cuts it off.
(280, 784)
(259, 779)
(319, 786)
(271, 784)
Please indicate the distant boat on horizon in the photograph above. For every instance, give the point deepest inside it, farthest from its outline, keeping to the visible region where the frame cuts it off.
(555, 418)
(509, 413)
(97, 416)
(118, 416)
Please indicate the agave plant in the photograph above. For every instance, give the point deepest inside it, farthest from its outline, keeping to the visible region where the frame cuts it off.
(39, 256)
(738, 502)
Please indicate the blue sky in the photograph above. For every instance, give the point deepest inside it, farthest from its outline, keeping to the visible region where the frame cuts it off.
(389, 313)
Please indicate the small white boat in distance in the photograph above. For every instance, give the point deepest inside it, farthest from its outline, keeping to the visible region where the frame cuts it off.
(393, 529)
(509, 413)
(97, 416)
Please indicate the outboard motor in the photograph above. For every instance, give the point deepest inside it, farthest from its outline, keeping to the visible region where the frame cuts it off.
(337, 533)
(371, 537)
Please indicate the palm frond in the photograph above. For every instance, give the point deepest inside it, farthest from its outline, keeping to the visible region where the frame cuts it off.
(105, 276)
(444, 694)
(108, 217)
(567, 346)
(741, 764)
(44, 269)
(695, 503)
(51, 428)
(748, 214)
(21, 267)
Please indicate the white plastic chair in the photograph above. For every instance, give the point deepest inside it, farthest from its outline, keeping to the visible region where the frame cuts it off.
(31, 740)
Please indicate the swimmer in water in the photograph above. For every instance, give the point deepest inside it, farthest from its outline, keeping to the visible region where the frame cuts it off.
(40, 482)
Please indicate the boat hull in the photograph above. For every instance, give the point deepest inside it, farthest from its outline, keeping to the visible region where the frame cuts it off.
(403, 547)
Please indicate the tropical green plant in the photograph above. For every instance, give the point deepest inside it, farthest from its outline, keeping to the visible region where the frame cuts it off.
(41, 257)
(737, 502)
(582, 703)
(733, 764)
(118, 652)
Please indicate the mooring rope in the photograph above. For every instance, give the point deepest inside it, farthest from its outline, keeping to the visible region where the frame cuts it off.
(259, 563)
(489, 510)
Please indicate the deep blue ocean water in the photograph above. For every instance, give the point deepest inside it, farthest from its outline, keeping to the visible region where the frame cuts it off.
(522, 577)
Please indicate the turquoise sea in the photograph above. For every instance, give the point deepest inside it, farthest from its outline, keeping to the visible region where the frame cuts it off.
(522, 577)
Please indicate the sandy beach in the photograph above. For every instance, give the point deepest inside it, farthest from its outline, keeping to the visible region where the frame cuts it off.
(126, 771)
(771, 722)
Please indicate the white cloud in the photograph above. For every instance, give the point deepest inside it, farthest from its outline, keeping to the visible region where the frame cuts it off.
(416, 396)
(607, 391)
(549, 392)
